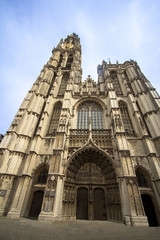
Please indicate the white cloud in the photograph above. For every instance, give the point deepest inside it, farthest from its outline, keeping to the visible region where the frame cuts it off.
(136, 24)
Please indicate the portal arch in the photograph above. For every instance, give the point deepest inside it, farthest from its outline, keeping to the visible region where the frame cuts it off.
(91, 169)
(40, 175)
(94, 99)
(147, 195)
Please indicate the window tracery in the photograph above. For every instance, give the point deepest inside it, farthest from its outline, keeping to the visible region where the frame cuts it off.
(63, 85)
(90, 110)
(60, 61)
(41, 176)
(125, 118)
(69, 61)
(142, 178)
(55, 118)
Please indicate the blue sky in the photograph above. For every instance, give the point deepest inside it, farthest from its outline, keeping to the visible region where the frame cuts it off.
(29, 29)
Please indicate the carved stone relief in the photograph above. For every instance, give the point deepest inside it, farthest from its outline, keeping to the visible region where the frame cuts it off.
(90, 173)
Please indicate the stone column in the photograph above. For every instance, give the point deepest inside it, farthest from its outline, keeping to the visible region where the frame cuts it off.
(8, 184)
(20, 195)
(125, 206)
(58, 198)
(47, 210)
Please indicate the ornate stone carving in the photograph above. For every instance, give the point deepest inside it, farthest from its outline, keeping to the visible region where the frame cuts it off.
(117, 121)
(90, 173)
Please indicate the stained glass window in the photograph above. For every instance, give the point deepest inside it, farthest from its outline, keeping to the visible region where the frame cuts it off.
(93, 110)
(55, 118)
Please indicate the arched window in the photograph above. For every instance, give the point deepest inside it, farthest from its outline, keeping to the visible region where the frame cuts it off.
(60, 61)
(63, 85)
(41, 176)
(125, 118)
(42, 179)
(55, 118)
(92, 110)
(69, 61)
(142, 178)
(115, 82)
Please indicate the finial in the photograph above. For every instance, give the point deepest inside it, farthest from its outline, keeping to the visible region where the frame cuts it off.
(109, 60)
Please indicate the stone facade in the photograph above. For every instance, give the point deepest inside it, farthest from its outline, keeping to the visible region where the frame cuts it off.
(84, 150)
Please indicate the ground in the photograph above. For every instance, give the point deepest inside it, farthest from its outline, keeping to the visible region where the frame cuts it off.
(27, 229)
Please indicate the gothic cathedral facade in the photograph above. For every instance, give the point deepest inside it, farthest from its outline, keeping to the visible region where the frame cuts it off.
(84, 150)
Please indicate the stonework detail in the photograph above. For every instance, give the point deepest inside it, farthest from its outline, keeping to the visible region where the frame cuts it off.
(84, 150)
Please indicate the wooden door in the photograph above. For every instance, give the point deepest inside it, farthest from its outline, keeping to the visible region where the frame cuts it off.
(99, 204)
(82, 204)
(36, 204)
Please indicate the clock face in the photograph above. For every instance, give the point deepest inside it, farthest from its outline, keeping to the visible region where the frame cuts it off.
(67, 46)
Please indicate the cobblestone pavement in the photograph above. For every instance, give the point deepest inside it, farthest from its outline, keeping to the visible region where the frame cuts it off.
(26, 229)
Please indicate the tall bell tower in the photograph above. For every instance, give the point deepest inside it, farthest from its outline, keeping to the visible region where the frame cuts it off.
(30, 140)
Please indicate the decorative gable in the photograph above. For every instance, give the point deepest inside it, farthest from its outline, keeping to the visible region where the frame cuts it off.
(89, 87)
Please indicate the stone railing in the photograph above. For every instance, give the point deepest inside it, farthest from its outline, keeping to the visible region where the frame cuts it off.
(79, 132)
(101, 137)
(94, 132)
(101, 132)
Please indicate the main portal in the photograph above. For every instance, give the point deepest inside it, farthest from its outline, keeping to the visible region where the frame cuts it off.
(91, 189)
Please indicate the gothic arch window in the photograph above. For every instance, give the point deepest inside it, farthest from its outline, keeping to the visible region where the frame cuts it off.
(142, 178)
(125, 118)
(94, 111)
(41, 176)
(69, 61)
(115, 82)
(55, 118)
(63, 85)
(60, 61)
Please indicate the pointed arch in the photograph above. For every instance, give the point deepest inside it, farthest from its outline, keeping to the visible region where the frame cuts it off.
(60, 61)
(89, 109)
(55, 118)
(125, 117)
(94, 99)
(147, 195)
(90, 146)
(69, 62)
(39, 182)
(40, 174)
(142, 178)
(90, 155)
(92, 169)
(63, 85)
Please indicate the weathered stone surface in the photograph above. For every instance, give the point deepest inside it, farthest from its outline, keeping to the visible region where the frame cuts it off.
(84, 150)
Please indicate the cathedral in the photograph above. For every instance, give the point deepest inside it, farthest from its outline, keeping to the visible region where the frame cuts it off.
(84, 150)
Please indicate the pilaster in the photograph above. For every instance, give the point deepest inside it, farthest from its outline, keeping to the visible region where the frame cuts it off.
(17, 204)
